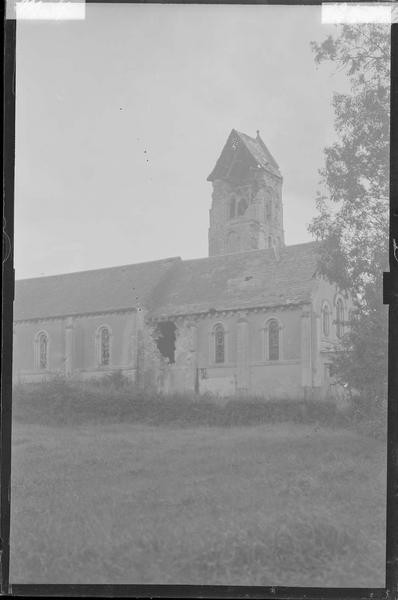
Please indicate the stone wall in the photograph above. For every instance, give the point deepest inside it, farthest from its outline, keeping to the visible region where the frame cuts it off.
(302, 364)
(246, 369)
(72, 346)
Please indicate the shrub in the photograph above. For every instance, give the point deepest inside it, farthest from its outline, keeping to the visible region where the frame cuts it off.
(369, 417)
(114, 380)
(115, 399)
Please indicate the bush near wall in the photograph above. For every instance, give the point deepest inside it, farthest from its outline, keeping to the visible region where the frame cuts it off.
(114, 399)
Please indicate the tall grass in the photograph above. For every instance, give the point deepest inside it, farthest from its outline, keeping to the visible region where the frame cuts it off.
(280, 504)
(114, 399)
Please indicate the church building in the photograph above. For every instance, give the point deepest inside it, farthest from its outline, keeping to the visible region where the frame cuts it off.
(254, 317)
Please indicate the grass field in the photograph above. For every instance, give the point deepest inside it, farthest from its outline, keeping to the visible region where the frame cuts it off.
(273, 504)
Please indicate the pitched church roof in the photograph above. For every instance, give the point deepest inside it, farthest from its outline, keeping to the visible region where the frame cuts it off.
(249, 279)
(172, 287)
(256, 149)
(114, 288)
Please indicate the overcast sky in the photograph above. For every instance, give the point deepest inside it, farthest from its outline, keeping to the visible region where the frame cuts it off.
(122, 116)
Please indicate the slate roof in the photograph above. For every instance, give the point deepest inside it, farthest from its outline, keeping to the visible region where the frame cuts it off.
(83, 292)
(172, 287)
(259, 150)
(256, 148)
(248, 279)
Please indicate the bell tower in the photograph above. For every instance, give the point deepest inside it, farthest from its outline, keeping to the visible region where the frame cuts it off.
(246, 211)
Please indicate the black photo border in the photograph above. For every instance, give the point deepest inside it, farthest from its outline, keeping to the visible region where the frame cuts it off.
(390, 294)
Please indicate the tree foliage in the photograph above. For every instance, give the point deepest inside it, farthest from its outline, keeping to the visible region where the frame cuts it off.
(352, 204)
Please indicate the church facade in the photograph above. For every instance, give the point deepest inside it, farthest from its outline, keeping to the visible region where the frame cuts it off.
(254, 317)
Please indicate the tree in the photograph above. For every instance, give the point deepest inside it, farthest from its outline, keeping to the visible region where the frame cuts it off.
(353, 217)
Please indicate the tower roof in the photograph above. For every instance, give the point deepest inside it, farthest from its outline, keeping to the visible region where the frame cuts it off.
(255, 148)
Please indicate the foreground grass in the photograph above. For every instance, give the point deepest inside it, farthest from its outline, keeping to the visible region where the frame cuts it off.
(274, 504)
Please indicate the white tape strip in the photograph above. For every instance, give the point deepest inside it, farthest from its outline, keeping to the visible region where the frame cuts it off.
(357, 13)
(58, 10)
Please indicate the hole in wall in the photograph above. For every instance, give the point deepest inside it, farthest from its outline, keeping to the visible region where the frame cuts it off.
(166, 340)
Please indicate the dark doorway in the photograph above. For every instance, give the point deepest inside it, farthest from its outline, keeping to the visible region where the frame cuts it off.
(166, 340)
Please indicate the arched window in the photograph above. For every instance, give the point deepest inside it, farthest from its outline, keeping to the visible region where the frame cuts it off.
(339, 318)
(325, 320)
(219, 344)
(269, 210)
(233, 242)
(103, 346)
(42, 350)
(242, 206)
(272, 340)
(232, 207)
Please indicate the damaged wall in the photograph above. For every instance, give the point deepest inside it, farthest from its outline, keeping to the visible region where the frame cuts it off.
(157, 371)
(153, 369)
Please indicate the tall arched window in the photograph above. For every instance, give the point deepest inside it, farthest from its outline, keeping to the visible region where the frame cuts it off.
(42, 350)
(219, 344)
(269, 210)
(242, 206)
(339, 318)
(103, 346)
(325, 320)
(233, 242)
(273, 339)
(232, 207)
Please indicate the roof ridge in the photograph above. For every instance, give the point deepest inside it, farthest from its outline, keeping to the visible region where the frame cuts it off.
(253, 139)
(223, 256)
(245, 252)
(170, 259)
(115, 267)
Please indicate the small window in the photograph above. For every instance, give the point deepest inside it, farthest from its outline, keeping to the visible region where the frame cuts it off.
(269, 210)
(273, 340)
(42, 348)
(232, 207)
(219, 344)
(325, 320)
(104, 347)
(339, 318)
(242, 206)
